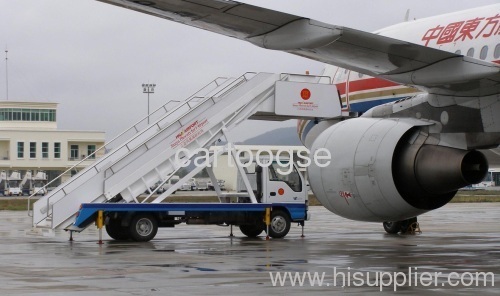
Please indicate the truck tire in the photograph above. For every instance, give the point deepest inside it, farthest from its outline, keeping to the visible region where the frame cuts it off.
(251, 230)
(280, 224)
(143, 227)
(116, 231)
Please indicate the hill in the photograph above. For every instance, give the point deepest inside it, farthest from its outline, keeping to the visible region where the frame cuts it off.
(286, 136)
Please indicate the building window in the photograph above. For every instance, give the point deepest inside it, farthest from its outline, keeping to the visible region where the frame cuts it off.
(20, 149)
(90, 150)
(45, 150)
(32, 149)
(24, 114)
(16, 114)
(57, 150)
(74, 152)
(44, 115)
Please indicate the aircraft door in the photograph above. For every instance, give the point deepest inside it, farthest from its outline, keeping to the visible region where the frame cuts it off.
(341, 81)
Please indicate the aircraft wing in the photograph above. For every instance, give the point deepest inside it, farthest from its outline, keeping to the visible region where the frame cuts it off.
(431, 69)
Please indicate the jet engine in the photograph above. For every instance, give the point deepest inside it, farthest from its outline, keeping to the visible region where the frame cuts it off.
(388, 170)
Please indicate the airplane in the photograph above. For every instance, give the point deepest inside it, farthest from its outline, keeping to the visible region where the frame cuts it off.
(422, 97)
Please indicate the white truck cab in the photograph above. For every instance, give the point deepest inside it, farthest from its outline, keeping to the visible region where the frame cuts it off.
(14, 184)
(38, 183)
(276, 182)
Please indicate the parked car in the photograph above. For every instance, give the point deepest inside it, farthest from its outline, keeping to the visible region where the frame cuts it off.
(222, 185)
(173, 180)
(189, 185)
(202, 184)
(160, 190)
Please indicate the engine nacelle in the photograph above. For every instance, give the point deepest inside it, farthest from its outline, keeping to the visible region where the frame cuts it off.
(382, 170)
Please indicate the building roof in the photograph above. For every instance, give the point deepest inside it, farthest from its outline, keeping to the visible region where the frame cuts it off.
(20, 104)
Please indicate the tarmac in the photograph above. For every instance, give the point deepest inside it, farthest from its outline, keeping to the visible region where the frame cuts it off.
(456, 241)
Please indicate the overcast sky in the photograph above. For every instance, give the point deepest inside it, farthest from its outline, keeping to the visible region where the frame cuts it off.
(92, 57)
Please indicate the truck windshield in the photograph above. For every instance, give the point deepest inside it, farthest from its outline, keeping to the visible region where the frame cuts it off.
(14, 183)
(39, 184)
(292, 179)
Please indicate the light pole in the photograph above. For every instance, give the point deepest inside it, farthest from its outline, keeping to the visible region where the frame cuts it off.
(7, 73)
(148, 89)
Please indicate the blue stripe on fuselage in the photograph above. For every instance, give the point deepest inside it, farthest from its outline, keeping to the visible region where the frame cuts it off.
(362, 107)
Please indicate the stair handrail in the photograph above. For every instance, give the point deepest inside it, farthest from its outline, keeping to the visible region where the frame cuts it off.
(186, 102)
(215, 81)
(223, 91)
(236, 82)
(227, 123)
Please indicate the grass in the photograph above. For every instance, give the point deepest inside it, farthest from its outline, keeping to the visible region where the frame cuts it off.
(20, 204)
(476, 196)
(17, 204)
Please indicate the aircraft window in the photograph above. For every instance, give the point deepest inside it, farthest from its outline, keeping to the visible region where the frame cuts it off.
(360, 75)
(470, 52)
(345, 72)
(497, 51)
(458, 52)
(484, 52)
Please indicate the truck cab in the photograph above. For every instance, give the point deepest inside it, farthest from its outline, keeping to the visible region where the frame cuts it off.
(14, 184)
(279, 186)
(278, 181)
(38, 183)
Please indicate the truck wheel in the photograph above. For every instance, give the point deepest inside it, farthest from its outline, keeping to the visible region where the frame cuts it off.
(116, 231)
(280, 224)
(251, 230)
(143, 227)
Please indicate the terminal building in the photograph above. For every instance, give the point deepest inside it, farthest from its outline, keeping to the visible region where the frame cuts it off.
(30, 140)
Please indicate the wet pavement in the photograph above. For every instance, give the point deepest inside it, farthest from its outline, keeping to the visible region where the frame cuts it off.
(203, 260)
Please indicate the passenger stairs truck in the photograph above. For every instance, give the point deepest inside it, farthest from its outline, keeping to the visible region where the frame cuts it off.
(14, 184)
(281, 200)
(36, 183)
(158, 146)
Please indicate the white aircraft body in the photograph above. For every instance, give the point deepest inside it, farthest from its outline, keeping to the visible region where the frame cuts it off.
(422, 96)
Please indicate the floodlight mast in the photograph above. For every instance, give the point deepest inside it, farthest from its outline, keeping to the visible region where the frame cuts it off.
(148, 88)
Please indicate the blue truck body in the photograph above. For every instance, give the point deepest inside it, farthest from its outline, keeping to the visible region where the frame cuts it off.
(88, 211)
